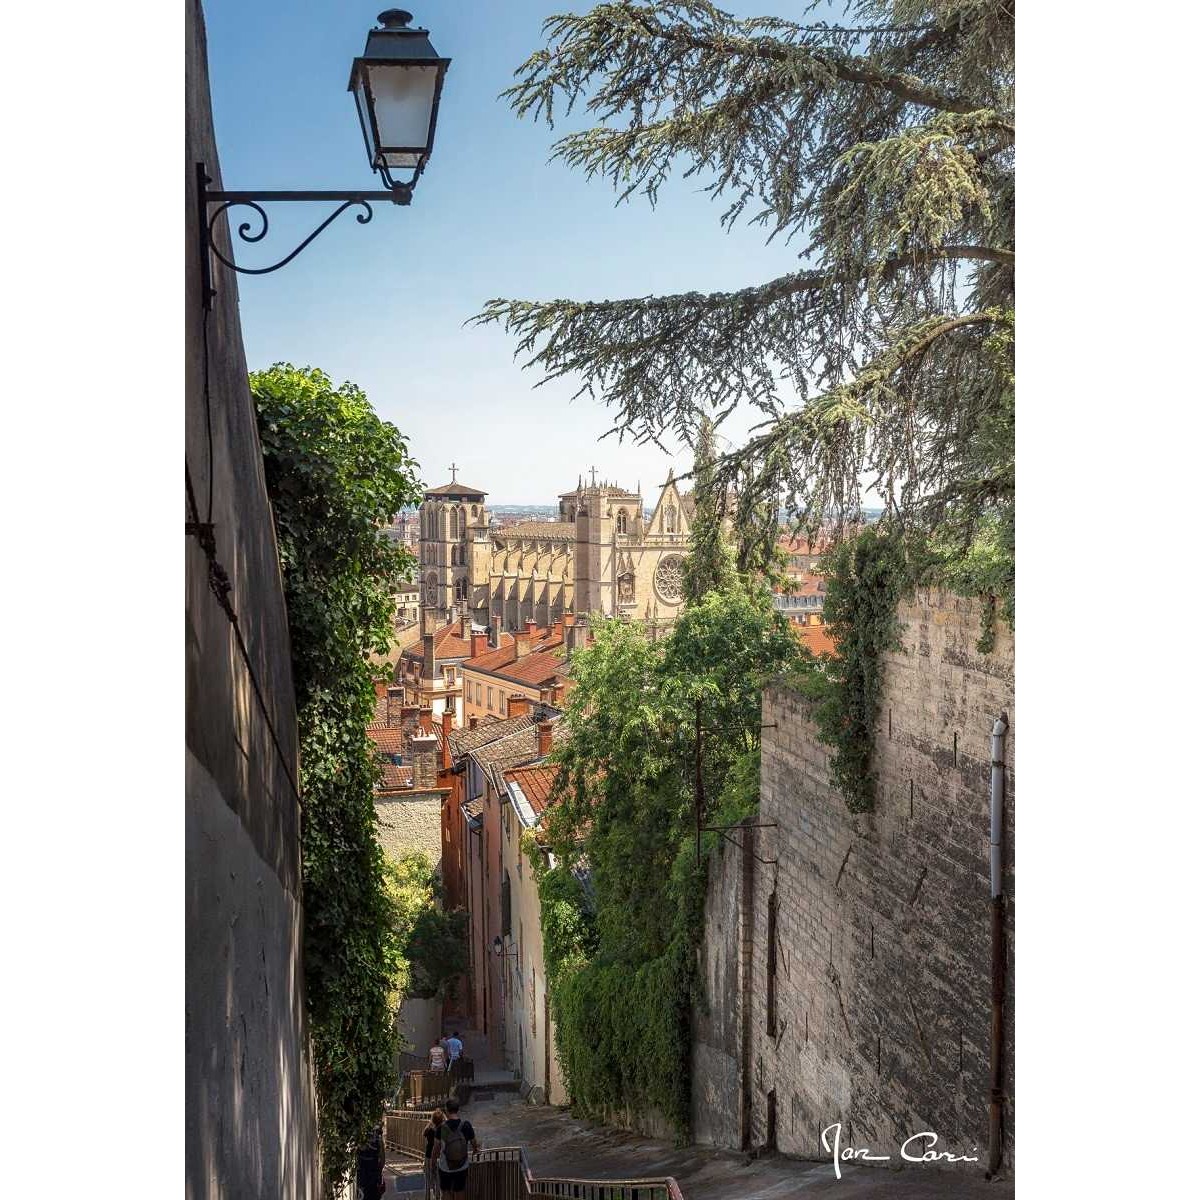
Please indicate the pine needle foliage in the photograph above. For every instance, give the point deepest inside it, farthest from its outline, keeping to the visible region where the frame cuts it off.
(881, 151)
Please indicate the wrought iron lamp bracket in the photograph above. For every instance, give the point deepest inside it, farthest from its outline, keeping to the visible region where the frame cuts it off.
(397, 193)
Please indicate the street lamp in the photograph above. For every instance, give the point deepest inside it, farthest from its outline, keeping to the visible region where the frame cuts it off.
(397, 86)
(499, 951)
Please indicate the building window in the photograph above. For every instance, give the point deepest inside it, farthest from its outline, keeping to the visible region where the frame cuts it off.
(622, 521)
(490, 691)
(506, 907)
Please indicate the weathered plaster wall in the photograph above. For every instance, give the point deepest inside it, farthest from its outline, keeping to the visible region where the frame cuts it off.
(250, 1121)
(884, 968)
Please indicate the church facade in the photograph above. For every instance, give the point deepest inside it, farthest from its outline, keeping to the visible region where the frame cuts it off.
(602, 555)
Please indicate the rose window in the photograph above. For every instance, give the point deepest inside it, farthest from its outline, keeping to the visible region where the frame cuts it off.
(668, 578)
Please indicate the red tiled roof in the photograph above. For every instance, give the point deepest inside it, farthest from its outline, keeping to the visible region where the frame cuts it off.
(447, 644)
(396, 779)
(387, 741)
(498, 659)
(811, 586)
(454, 489)
(817, 638)
(536, 784)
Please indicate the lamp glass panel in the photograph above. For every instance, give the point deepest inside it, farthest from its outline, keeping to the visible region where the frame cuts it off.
(364, 111)
(403, 110)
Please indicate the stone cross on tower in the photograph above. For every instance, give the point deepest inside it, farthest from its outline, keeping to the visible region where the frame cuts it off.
(593, 477)
(453, 472)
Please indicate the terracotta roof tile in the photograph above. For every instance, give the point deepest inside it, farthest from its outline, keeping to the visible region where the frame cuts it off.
(463, 741)
(396, 779)
(817, 638)
(513, 751)
(536, 784)
(388, 741)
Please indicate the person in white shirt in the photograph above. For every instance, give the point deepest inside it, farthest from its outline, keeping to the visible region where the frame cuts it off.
(437, 1057)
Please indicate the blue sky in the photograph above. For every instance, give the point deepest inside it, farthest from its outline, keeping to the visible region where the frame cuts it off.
(384, 304)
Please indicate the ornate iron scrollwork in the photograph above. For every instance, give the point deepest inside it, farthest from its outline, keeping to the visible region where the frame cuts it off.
(398, 193)
(243, 231)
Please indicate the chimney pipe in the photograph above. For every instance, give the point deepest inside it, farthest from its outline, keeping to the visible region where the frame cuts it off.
(479, 643)
(424, 752)
(545, 740)
(425, 719)
(429, 665)
(518, 706)
(496, 619)
(521, 642)
(395, 707)
(472, 721)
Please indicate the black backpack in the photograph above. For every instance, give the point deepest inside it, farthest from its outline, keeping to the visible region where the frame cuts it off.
(454, 1147)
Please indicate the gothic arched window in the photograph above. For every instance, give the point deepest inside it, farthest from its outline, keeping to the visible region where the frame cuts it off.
(622, 521)
(460, 590)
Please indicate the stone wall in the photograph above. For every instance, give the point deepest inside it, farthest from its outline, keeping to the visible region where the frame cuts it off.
(716, 1038)
(250, 1116)
(883, 970)
(411, 822)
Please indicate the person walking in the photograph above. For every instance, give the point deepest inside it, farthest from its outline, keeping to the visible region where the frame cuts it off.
(432, 1184)
(454, 1048)
(437, 1057)
(452, 1141)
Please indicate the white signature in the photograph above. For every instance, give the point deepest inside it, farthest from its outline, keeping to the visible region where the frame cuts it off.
(908, 1151)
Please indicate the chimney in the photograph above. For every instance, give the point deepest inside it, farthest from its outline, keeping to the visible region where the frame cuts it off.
(531, 628)
(496, 619)
(425, 762)
(472, 721)
(521, 642)
(568, 619)
(479, 643)
(408, 716)
(395, 707)
(429, 666)
(464, 625)
(425, 719)
(518, 706)
(545, 742)
(556, 695)
(381, 688)
(447, 729)
(544, 693)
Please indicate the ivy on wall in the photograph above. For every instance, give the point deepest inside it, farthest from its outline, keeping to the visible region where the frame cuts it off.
(622, 904)
(865, 580)
(335, 473)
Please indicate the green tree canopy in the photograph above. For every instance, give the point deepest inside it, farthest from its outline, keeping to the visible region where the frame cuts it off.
(621, 954)
(882, 149)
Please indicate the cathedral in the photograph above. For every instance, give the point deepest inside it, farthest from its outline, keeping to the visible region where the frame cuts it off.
(602, 555)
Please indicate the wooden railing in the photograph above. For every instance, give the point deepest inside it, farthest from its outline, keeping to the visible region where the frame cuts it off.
(503, 1173)
(425, 1089)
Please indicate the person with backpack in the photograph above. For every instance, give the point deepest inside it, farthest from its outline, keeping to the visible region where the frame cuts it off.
(451, 1148)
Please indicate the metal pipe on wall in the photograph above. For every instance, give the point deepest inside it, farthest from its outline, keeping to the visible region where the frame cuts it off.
(996, 847)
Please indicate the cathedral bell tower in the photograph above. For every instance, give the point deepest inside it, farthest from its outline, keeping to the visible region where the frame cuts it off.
(449, 516)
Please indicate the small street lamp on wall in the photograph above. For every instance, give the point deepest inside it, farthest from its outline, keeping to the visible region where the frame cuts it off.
(397, 86)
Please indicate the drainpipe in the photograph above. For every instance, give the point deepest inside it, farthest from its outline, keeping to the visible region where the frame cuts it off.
(996, 845)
